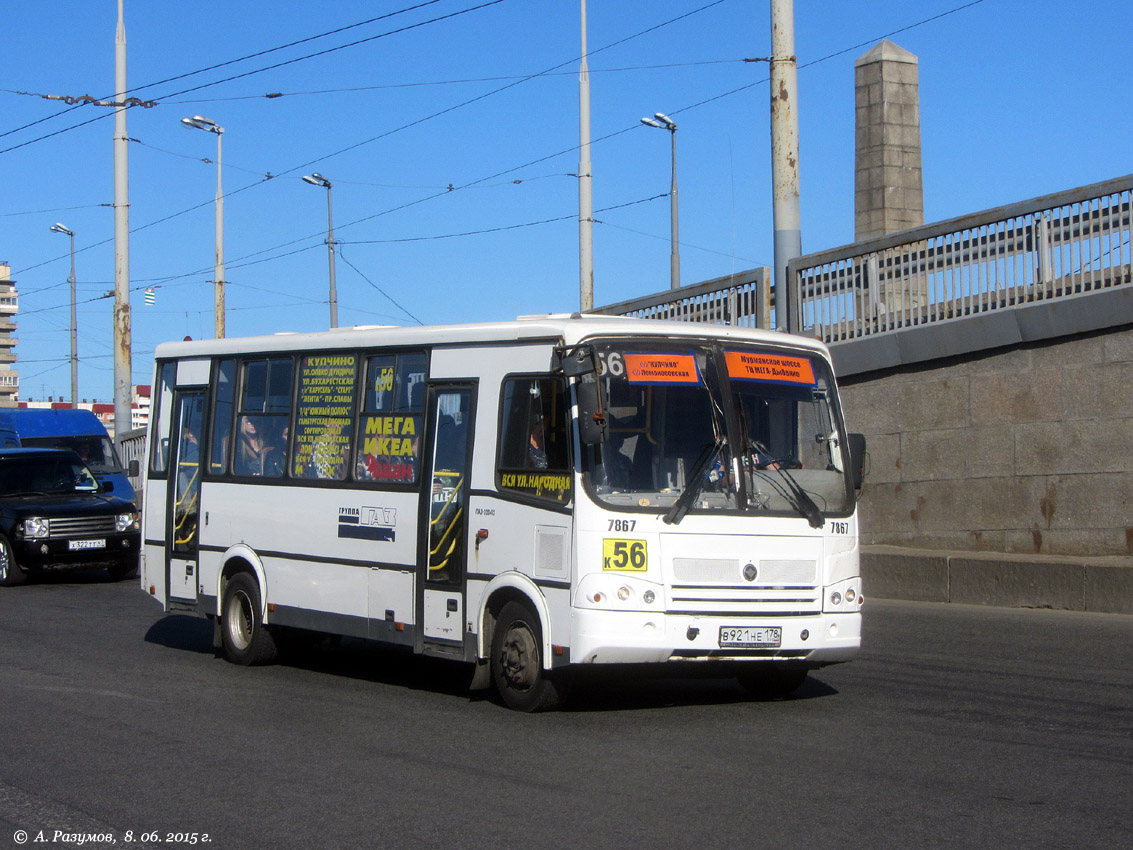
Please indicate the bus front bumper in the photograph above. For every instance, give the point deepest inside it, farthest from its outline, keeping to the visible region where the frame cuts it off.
(625, 637)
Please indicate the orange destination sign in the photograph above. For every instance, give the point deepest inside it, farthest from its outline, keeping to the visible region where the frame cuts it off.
(747, 366)
(661, 369)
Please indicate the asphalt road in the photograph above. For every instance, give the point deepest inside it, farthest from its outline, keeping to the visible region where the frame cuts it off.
(956, 727)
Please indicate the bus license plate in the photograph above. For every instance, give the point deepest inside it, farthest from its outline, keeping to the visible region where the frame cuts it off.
(749, 637)
(76, 545)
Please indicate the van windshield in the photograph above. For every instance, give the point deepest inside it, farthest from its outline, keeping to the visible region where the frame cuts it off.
(95, 451)
(718, 426)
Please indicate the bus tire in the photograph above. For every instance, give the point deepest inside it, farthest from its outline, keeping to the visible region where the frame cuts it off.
(772, 681)
(11, 574)
(246, 639)
(517, 662)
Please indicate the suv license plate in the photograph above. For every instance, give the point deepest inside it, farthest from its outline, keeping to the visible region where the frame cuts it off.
(76, 545)
(751, 637)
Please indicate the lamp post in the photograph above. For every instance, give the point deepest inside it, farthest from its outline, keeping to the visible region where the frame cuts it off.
(316, 179)
(663, 122)
(199, 122)
(58, 228)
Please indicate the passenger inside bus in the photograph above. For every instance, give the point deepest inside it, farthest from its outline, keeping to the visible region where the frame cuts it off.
(248, 460)
(536, 444)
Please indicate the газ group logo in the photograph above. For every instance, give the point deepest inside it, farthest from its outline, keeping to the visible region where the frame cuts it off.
(367, 523)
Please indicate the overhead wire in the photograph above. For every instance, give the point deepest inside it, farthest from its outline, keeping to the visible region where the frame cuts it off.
(230, 62)
(448, 190)
(407, 126)
(606, 137)
(271, 68)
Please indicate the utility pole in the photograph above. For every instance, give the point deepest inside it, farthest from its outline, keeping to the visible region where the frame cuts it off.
(60, 228)
(784, 154)
(199, 122)
(663, 122)
(585, 187)
(316, 179)
(122, 342)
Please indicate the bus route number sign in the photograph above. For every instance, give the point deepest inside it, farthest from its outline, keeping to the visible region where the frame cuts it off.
(624, 556)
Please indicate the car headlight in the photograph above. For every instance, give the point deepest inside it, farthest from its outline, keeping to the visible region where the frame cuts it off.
(126, 522)
(36, 527)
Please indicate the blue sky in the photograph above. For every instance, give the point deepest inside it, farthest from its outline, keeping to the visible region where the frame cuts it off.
(1018, 99)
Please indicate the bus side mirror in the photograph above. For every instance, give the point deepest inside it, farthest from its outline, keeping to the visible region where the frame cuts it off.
(857, 459)
(135, 468)
(582, 362)
(593, 425)
(574, 362)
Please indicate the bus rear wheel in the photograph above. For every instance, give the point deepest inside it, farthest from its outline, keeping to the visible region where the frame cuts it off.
(517, 662)
(246, 639)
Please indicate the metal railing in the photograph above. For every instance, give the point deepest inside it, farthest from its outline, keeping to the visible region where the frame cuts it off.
(742, 299)
(132, 446)
(1056, 246)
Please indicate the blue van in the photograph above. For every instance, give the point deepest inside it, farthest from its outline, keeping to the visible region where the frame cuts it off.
(78, 430)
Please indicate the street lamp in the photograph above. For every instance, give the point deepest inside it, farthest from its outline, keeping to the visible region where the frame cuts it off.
(663, 122)
(199, 122)
(58, 228)
(316, 179)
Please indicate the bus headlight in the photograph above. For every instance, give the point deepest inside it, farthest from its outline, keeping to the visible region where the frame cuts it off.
(843, 597)
(615, 592)
(36, 527)
(126, 522)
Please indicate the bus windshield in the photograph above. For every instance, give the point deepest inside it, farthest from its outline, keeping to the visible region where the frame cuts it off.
(704, 427)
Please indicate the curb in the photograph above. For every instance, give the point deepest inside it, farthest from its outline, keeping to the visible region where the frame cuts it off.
(1100, 585)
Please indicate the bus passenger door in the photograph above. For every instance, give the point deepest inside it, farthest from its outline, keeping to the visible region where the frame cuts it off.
(442, 547)
(183, 511)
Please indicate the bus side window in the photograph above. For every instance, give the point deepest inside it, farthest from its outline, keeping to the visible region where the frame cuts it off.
(264, 414)
(393, 419)
(533, 454)
(159, 459)
(225, 383)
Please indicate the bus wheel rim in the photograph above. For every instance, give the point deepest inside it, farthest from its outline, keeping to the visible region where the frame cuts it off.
(240, 619)
(519, 657)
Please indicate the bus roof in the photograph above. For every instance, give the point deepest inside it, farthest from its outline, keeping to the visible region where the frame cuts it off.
(566, 328)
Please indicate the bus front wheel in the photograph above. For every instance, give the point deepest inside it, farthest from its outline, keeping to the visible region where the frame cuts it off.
(517, 662)
(246, 639)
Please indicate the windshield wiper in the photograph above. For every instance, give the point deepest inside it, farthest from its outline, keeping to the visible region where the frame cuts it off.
(696, 482)
(798, 498)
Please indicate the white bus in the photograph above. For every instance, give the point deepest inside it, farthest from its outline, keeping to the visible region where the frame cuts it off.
(532, 497)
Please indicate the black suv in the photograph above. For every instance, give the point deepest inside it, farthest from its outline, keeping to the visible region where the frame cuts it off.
(54, 514)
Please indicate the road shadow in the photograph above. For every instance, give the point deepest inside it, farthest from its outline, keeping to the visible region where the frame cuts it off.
(368, 661)
(614, 688)
(182, 632)
(639, 688)
(72, 576)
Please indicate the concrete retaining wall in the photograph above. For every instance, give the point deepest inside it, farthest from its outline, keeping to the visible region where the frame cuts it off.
(1024, 449)
(1018, 581)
